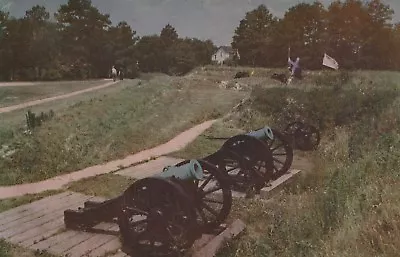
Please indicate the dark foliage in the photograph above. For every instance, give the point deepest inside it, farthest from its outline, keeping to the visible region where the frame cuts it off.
(83, 44)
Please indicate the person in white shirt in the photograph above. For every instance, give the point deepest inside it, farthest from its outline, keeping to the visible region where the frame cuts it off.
(114, 73)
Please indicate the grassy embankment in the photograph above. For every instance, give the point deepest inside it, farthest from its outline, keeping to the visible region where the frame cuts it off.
(105, 125)
(349, 204)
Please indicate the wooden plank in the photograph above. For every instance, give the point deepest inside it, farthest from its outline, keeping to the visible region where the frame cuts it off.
(40, 229)
(10, 215)
(119, 254)
(62, 237)
(269, 191)
(54, 238)
(110, 246)
(42, 220)
(63, 246)
(89, 245)
(212, 247)
(28, 243)
(33, 214)
(201, 242)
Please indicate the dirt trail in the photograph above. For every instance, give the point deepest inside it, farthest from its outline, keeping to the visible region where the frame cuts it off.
(175, 144)
(17, 84)
(50, 99)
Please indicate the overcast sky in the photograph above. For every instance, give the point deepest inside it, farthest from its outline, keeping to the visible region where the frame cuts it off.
(204, 19)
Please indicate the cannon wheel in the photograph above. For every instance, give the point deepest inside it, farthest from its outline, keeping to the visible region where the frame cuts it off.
(282, 153)
(307, 137)
(239, 174)
(255, 162)
(156, 219)
(213, 198)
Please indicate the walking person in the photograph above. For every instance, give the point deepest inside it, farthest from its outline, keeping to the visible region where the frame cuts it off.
(114, 73)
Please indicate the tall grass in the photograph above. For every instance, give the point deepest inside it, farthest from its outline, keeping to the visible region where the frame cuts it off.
(107, 127)
(349, 205)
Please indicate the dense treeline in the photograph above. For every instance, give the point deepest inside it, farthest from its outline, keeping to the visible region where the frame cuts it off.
(80, 42)
(358, 34)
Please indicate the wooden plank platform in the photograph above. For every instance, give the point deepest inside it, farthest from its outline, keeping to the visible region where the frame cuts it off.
(40, 226)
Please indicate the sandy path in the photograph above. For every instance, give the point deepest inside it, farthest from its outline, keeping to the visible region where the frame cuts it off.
(50, 99)
(16, 84)
(175, 144)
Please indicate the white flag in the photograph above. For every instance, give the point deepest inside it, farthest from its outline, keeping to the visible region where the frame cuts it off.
(330, 62)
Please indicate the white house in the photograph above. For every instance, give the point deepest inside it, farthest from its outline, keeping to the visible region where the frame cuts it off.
(223, 54)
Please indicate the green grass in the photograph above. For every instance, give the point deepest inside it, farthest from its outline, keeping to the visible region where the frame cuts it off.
(12, 95)
(10, 250)
(348, 205)
(103, 126)
(107, 186)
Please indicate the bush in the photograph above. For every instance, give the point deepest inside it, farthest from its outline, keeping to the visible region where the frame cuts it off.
(33, 121)
(333, 79)
(52, 74)
(325, 107)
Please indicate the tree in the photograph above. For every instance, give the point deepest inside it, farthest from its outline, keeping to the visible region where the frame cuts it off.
(303, 28)
(253, 37)
(83, 30)
(121, 48)
(378, 37)
(15, 47)
(168, 35)
(4, 48)
(182, 58)
(396, 47)
(43, 40)
(359, 33)
(150, 52)
(203, 50)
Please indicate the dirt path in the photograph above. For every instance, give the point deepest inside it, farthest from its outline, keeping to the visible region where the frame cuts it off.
(16, 84)
(50, 99)
(175, 144)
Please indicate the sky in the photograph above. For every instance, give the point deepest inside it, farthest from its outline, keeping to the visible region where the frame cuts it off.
(204, 19)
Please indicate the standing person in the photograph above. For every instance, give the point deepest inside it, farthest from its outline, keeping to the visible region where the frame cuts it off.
(114, 73)
(294, 68)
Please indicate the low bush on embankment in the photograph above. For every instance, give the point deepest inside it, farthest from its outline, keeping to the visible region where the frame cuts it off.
(349, 204)
(111, 124)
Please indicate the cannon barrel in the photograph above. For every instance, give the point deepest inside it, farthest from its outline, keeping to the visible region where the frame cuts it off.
(188, 171)
(262, 133)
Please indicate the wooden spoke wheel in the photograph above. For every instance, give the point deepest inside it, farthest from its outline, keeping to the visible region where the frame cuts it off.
(247, 161)
(306, 137)
(282, 153)
(240, 175)
(212, 196)
(156, 219)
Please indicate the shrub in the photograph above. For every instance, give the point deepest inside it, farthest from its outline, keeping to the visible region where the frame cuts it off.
(325, 107)
(33, 121)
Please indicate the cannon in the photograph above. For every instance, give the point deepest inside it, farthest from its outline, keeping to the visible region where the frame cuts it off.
(164, 214)
(246, 159)
(253, 159)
